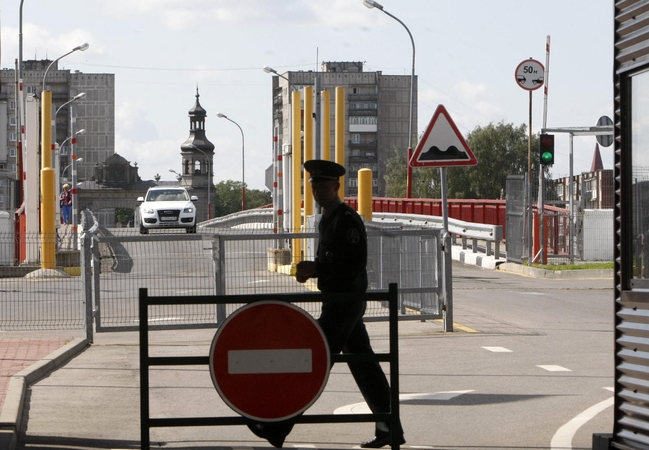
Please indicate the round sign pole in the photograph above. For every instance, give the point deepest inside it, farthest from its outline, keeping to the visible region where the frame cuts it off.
(530, 76)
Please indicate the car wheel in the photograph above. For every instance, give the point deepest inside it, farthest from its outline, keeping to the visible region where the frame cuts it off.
(143, 230)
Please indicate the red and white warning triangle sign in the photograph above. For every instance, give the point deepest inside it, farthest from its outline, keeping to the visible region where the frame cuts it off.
(442, 144)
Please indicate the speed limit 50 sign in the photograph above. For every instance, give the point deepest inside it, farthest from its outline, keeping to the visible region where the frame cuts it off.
(530, 74)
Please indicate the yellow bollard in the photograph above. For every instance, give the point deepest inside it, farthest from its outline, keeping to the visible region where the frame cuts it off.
(296, 184)
(365, 194)
(48, 219)
(326, 125)
(308, 149)
(46, 129)
(340, 134)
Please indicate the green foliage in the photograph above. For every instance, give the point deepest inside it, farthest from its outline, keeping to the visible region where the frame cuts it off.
(123, 215)
(501, 150)
(583, 266)
(228, 198)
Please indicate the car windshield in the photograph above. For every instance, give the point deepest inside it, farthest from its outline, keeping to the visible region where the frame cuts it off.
(172, 195)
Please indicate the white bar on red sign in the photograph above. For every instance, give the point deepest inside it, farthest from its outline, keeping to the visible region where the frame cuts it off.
(270, 361)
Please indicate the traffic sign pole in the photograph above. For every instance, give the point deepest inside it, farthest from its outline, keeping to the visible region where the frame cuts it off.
(529, 75)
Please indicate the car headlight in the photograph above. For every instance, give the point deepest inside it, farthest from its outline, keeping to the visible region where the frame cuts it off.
(149, 210)
(188, 210)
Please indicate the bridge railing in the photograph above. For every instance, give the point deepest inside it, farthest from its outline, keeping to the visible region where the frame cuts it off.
(485, 211)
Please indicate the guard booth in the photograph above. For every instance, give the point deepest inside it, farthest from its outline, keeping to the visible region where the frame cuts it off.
(631, 228)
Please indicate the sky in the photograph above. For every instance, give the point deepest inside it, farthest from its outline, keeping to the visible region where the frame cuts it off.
(466, 53)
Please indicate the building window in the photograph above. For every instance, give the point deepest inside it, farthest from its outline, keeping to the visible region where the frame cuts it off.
(353, 182)
(12, 121)
(31, 89)
(63, 151)
(12, 137)
(12, 152)
(356, 138)
(12, 105)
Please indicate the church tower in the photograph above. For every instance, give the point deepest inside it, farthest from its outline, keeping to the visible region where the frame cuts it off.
(197, 154)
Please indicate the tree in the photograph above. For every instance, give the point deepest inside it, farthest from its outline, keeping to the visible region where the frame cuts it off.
(228, 198)
(501, 150)
(123, 215)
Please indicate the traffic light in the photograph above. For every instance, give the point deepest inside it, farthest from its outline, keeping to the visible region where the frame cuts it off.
(546, 153)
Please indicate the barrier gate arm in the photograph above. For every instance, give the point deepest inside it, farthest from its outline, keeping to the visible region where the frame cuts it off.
(146, 422)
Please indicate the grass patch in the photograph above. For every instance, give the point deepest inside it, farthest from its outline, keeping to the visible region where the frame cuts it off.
(597, 265)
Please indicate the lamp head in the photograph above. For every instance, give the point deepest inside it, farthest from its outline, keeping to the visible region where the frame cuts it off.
(221, 116)
(79, 160)
(269, 70)
(372, 4)
(79, 96)
(82, 48)
(81, 131)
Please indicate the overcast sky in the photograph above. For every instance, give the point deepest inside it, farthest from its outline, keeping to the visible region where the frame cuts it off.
(466, 55)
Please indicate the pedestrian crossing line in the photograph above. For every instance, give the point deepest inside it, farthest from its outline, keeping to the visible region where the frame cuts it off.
(554, 368)
(498, 349)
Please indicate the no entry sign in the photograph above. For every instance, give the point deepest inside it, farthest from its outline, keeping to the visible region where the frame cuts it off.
(269, 361)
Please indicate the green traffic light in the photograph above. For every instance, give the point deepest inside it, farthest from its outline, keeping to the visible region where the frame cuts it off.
(546, 157)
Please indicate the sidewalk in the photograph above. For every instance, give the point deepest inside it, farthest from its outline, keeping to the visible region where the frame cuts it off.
(26, 360)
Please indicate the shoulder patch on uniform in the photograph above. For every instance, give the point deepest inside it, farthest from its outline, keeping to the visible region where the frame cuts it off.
(352, 236)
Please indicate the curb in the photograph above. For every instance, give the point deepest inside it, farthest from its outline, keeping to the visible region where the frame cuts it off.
(534, 272)
(12, 409)
(476, 259)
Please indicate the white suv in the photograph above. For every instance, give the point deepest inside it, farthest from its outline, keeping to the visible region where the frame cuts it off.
(167, 207)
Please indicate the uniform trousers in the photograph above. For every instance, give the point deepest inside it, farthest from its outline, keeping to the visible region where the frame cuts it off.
(343, 326)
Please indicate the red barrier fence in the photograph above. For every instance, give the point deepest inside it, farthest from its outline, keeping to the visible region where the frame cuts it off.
(492, 212)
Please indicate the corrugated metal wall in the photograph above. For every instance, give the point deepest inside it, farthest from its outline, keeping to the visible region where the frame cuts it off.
(631, 427)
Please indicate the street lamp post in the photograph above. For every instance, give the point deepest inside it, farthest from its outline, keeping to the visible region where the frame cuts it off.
(209, 180)
(178, 176)
(283, 200)
(68, 166)
(374, 4)
(243, 163)
(48, 189)
(57, 148)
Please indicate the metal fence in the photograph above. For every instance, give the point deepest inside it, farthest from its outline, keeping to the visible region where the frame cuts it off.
(35, 299)
(114, 264)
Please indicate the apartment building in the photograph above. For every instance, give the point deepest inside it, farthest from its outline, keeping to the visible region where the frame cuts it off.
(377, 115)
(95, 113)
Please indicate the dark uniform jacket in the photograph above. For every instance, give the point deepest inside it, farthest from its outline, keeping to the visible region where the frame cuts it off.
(342, 252)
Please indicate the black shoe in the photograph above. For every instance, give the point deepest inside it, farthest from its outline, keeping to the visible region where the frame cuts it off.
(274, 433)
(381, 440)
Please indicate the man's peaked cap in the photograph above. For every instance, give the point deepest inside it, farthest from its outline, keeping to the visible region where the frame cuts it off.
(322, 170)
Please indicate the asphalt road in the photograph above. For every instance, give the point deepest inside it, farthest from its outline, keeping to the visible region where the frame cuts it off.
(529, 366)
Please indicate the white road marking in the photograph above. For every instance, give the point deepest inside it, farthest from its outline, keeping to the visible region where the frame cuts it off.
(553, 368)
(562, 439)
(362, 408)
(498, 349)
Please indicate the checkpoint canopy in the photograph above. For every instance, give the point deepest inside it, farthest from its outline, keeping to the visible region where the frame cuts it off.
(442, 144)
(269, 361)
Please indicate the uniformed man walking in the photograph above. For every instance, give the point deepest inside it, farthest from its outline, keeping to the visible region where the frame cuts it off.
(341, 267)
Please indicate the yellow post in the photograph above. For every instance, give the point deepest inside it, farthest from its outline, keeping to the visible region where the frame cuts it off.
(308, 149)
(46, 129)
(326, 125)
(48, 186)
(365, 194)
(48, 216)
(296, 184)
(340, 134)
